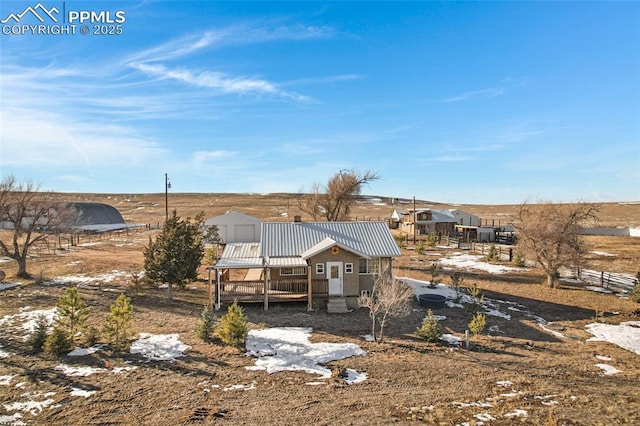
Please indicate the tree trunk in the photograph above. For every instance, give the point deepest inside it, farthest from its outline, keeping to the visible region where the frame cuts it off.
(170, 292)
(551, 280)
(22, 268)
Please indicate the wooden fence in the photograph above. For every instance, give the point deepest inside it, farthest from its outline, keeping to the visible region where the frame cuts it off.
(609, 280)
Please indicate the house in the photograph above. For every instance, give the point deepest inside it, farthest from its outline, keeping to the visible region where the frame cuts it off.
(428, 221)
(333, 261)
(236, 227)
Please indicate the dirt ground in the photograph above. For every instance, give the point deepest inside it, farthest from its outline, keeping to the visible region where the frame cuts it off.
(554, 379)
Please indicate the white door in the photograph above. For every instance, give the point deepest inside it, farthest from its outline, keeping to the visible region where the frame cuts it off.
(334, 275)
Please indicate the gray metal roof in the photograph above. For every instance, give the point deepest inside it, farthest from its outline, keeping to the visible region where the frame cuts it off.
(240, 256)
(288, 239)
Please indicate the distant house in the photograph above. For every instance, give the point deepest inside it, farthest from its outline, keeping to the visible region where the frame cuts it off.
(236, 227)
(428, 221)
(333, 261)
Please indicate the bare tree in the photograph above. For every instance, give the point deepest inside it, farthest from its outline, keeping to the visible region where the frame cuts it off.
(550, 234)
(333, 202)
(390, 298)
(29, 215)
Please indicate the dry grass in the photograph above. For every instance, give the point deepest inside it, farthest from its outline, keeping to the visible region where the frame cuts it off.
(555, 380)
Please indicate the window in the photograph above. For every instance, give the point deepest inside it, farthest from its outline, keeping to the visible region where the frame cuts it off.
(301, 270)
(319, 268)
(365, 293)
(348, 268)
(368, 266)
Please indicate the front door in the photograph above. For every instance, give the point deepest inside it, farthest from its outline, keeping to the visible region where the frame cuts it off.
(334, 275)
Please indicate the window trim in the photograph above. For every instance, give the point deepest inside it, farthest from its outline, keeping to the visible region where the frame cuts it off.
(348, 268)
(320, 268)
(295, 271)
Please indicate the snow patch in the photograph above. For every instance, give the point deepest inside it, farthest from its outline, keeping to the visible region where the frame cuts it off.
(626, 335)
(289, 349)
(609, 370)
(159, 347)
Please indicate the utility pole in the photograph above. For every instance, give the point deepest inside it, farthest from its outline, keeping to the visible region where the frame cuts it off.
(167, 185)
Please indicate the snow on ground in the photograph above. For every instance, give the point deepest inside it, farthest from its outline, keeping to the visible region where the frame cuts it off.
(25, 320)
(289, 349)
(82, 392)
(354, 377)
(603, 358)
(31, 405)
(603, 253)
(597, 289)
(7, 286)
(472, 261)
(3, 353)
(608, 370)
(5, 381)
(626, 335)
(78, 371)
(79, 280)
(159, 347)
(11, 420)
(85, 351)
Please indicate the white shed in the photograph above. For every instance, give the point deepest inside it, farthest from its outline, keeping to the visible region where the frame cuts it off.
(236, 227)
(464, 218)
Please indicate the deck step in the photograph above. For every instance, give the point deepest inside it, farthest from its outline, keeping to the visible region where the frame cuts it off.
(337, 305)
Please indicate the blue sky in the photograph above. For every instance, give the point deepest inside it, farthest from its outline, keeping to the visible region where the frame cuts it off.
(487, 102)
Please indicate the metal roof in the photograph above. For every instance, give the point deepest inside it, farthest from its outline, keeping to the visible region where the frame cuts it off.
(292, 239)
(240, 256)
(286, 261)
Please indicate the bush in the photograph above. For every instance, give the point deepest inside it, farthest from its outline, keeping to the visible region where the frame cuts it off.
(39, 334)
(91, 336)
(58, 342)
(478, 323)
(518, 260)
(119, 320)
(204, 330)
(477, 297)
(493, 254)
(401, 240)
(430, 329)
(634, 294)
(432, 239)
(434, 270)
(421, 247)
(456, 284)
(233, 328)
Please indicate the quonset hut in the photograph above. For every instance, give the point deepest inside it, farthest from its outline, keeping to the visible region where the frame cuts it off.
(94, 217)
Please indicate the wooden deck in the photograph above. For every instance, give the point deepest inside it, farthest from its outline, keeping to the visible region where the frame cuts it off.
(294, 290)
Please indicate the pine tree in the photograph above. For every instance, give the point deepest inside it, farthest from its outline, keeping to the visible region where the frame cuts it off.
(175, 255)
(72, 312)
(118, 327)
(430, 329)
(58, 342)
(39, 334)
(233, 328)
(478, 323)
(204, 330)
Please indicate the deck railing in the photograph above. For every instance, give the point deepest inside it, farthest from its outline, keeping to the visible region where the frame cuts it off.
(279, 290)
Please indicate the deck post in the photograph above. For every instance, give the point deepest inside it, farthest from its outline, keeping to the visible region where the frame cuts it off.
(267, 278)
(210, 303)
(309, 288)
(217, 289)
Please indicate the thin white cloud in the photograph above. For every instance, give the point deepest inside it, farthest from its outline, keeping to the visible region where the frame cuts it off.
(478, 94)
(218, 81)
(204, 157)
(322, 80)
